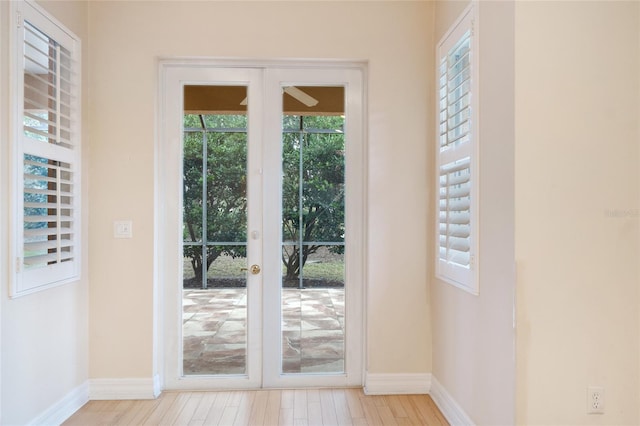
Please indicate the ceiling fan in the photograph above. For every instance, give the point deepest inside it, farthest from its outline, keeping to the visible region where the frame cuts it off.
(297, 94)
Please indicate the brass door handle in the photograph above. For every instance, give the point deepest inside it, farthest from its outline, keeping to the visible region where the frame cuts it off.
(255, 269)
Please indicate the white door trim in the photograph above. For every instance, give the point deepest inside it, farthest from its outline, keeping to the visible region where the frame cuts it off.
(167, 247)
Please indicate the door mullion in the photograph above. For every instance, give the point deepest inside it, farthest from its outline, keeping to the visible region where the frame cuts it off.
(204, 205)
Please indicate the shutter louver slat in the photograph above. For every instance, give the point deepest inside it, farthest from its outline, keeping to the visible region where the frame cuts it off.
(47, 192)
(460, 191)
(459, 231)
(458, 244)
(47, 218)
(48, 259)
(39, 232)
(62, 205)
(459, 204)
(45, 245)
(458, 217)
(459, 258)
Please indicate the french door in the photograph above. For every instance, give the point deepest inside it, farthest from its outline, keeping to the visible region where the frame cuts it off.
(262, 230)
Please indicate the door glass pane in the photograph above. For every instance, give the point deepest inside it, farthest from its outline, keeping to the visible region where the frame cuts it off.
(214, 231)
(313, 229)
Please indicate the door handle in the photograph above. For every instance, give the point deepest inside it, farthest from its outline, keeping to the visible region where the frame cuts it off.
(255, 269)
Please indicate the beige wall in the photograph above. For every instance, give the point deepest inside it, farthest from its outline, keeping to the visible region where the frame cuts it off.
(44, 335)
(577, 103)
(127, 38)
(473, 336)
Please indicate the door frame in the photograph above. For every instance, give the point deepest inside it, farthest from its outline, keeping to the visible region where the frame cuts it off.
(168, 237)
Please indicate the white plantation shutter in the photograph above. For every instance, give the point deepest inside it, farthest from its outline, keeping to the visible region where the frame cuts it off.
(457, 224)
(455, 212)
(47, 123)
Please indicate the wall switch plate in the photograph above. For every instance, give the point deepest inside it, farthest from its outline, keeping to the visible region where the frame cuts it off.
(122, 229)
(595, 400)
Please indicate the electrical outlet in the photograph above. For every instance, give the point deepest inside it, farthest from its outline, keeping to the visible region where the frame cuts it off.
(123, 229)
(595, 400)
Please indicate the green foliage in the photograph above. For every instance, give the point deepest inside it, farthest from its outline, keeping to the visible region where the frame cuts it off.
(224, 198)
(313, 209)
(32, 198)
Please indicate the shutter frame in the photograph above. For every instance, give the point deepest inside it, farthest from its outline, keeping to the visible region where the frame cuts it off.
(457, 186)
(45, 127)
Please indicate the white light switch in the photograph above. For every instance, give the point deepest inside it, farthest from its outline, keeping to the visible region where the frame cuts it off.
(122, 229)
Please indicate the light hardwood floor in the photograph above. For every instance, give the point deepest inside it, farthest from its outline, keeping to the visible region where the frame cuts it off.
(327, 407)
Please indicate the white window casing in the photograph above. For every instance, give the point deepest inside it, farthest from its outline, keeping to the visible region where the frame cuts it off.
(45, 120)
(457, 171)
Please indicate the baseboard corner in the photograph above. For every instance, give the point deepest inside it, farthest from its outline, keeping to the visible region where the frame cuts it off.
(65, 407)
(451, 410)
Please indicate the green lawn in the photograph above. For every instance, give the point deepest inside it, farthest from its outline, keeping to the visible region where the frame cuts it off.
(228, 267)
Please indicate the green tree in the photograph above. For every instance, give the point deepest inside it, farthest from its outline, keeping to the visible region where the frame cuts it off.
(312, 208)
(313, 191)
(225, 199)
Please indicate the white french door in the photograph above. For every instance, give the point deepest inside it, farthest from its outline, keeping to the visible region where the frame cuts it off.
(260, 224)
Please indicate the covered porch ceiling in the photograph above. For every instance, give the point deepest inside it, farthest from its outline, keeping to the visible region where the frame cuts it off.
(231, 100)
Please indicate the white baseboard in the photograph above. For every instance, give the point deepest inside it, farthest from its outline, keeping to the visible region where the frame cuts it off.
(64, 408)
(451, 410)
(395, 384)
(100, 389)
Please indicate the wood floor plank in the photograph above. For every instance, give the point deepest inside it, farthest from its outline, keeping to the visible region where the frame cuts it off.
(386, 415)
(287, 398)
(329, 416)
(420, 402)
(228, 416)
(235, 397)
(202, 411)
(286, 417)
(343, 416)
(173, 413)
(313, 395)
(314, 410)
(166, 400)
(393, 402)
(411, 410)
(274, 402)
(214, 415)
(437, 411)
(370, 411)
(188, 409)
(378, 400)
(258, 408)
(122, 407)
(139, 412)
(353, 401)
(300, 422)
(244, 408)
(300, 404)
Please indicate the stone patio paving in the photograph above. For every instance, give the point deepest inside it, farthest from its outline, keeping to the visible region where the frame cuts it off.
(214, 331)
